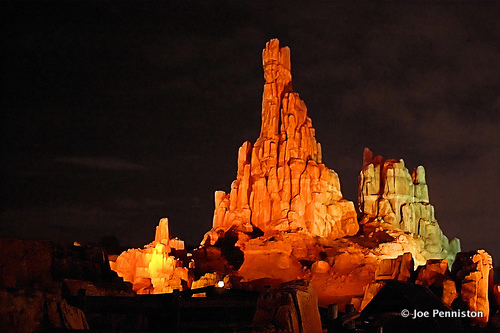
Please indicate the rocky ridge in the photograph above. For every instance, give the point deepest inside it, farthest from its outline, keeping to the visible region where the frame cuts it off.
(286, 216)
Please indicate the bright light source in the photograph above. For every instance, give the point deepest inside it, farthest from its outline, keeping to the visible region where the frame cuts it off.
(220, 284)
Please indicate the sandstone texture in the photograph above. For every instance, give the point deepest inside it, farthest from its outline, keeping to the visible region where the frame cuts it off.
(436, 276)
(152, 269)
(496, 293)
(389, 194)
(400, 269)
(473, 270)
(281, 184)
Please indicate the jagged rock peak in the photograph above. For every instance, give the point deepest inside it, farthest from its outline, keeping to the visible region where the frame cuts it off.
(276, 63)
(162, 233)
(285, 124)
(281, 184)
(389, 193)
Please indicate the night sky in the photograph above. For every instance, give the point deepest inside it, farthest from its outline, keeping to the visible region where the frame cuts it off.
(117, 114)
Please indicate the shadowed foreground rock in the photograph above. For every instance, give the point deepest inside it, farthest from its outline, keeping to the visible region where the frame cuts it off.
(435, 275)
(36, 311)
(36, 276)
(291, 306)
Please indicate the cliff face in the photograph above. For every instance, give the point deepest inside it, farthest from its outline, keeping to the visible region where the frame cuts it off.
(281, 184)
(474, 273)
(390, 195)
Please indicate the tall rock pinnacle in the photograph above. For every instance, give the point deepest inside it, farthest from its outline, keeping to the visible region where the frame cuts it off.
(281, 184)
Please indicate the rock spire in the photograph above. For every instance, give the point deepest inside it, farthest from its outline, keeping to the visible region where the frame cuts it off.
(281, 184)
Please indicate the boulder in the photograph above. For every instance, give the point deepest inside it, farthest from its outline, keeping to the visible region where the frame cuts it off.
(66, 316)
(399, 268)
(472, 272)
(436, 276)
(271, 260)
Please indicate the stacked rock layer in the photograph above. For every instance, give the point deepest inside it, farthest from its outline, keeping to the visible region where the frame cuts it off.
(281, 184)
(389, 194)
(152, 270)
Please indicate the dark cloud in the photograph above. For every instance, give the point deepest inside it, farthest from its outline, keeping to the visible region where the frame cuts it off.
(105, 163)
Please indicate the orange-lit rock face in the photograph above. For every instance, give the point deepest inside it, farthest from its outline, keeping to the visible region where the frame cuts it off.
(370, 291)
(151, 270)
(431, 271)
(435, 275)
(473, 269)
(399, 268)
(281, 184)
(389, 194)
(278, 266)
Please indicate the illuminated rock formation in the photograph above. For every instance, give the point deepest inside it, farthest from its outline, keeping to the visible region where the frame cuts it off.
(435, 275)
(390, 195)
(279, 263)
(428, 274)
(285, 219)
(395, 269)
(286, 194)
(473, 270)
(152, 269)
(281, 184)
(399, 269)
